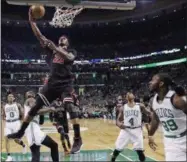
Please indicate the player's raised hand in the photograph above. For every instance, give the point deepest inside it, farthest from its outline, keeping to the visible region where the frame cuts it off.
(152, 144)
(30, 15)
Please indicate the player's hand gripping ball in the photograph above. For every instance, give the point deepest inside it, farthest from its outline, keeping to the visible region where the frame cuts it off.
(37, 11)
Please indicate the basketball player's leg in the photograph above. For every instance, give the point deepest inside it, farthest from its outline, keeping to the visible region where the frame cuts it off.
(76, 127)
(35, 153)
(121, 142)
(21, 143)
(7, 144)
(60, 129)
(137, 139)
(50, 143)
(66, 128)
(17, 126)
(69, 100)
(48, 94)
(175, 149)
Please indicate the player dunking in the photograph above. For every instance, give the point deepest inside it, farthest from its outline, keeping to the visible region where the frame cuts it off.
(169, 108)
(12, 112)
(131, 127)
(59, 85)
(34, 135)
(60, 121)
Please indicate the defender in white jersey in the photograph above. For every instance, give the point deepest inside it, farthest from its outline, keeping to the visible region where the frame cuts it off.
(131, 127)
(12, 112)
(34, 135)
(170, 109)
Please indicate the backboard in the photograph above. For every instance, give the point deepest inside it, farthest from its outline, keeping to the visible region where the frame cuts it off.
(96, 4)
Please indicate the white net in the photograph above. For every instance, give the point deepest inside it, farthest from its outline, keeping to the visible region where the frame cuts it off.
(64, 16)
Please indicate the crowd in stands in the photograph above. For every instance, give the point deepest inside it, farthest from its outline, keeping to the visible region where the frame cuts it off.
(94, 92)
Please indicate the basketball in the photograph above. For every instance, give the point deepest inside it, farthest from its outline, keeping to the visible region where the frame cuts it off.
(38, 11)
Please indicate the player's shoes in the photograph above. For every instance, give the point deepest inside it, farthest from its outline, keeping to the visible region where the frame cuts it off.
(17, 135)
(9, 158)
(76, 146)
(24, 151)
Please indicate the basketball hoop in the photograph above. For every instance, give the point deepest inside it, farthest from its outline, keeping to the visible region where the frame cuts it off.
(63, 16)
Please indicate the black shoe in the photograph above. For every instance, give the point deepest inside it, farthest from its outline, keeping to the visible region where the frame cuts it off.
(76, 146)
(16, 135)
(113, 160)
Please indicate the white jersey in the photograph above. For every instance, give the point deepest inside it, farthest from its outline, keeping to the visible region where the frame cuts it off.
(173, 120)
(132, 116)
(26, 110)
(12, 111)
(33, 132)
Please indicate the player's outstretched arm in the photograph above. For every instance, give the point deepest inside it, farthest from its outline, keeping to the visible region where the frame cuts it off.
(180, 102)
(36, 30)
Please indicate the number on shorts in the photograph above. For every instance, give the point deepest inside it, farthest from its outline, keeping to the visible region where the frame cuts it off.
(170, 125)
(131, 121)
(11, 114)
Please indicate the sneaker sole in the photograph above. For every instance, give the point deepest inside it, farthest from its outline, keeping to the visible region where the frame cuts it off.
(77, 151)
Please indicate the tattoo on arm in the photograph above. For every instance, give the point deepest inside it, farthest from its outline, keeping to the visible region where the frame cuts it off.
(180, 102)
(154, 124)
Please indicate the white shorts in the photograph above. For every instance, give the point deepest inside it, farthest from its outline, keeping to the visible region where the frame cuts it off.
(175, 149)
(12, 127)
(34, 134)
(126, 136)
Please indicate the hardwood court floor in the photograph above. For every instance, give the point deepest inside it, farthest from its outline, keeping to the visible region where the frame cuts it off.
(99, 138)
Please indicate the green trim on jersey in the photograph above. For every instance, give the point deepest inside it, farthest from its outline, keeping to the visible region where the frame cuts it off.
(178, 136)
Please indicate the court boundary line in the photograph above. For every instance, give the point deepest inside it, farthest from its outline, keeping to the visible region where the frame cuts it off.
(123, 154)
(113, 150)
(146, 156)
(108, 148)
